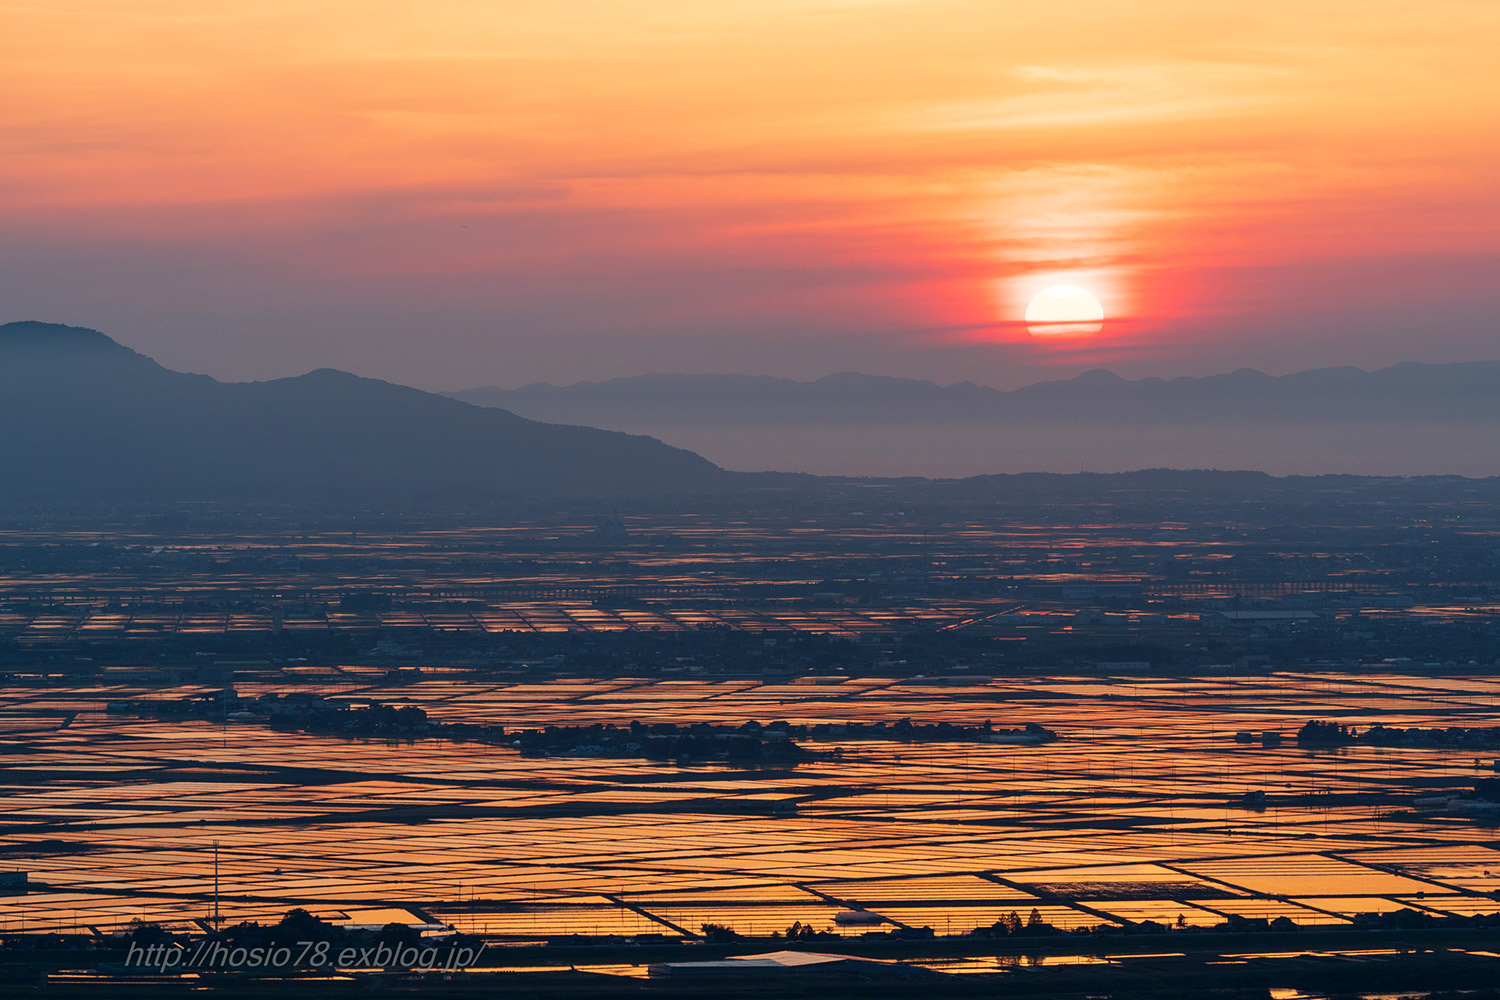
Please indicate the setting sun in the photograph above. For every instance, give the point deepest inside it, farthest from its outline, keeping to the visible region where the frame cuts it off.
(1064, 311)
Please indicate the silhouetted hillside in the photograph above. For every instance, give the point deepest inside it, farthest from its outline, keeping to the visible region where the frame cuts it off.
(1409, 419)
(86, 418)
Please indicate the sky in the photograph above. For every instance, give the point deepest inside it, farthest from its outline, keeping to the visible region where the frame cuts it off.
(468, 192)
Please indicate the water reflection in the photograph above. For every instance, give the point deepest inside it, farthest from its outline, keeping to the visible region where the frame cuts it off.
(1129, 818)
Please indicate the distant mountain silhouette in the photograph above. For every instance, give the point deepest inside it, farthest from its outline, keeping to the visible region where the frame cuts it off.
(87, 418)
(1405, 391)
(1409, 419)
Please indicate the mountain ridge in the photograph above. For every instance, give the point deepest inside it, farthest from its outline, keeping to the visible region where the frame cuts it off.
(1327, 375)
(1455, 383)
(87, 417)
(1411, 418)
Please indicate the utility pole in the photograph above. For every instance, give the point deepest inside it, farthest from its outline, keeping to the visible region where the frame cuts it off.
(216, 885)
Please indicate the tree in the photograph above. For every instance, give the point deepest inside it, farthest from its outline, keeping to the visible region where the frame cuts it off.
(399, 935)
(299, 925)
(147, 932)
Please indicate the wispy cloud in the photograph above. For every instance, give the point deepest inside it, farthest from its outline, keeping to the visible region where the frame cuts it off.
(1073, 97)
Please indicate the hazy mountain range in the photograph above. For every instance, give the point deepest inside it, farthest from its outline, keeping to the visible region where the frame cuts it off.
(86, 418)
(1409, 419)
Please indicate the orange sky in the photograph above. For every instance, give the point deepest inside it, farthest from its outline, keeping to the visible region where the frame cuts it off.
(451, 193)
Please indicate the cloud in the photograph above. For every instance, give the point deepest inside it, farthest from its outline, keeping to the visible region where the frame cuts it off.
(1111, 96)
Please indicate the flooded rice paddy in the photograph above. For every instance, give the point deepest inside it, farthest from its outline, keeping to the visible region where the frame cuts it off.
(1129, 817)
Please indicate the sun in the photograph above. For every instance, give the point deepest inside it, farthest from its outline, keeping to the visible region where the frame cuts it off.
(1064, 311)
